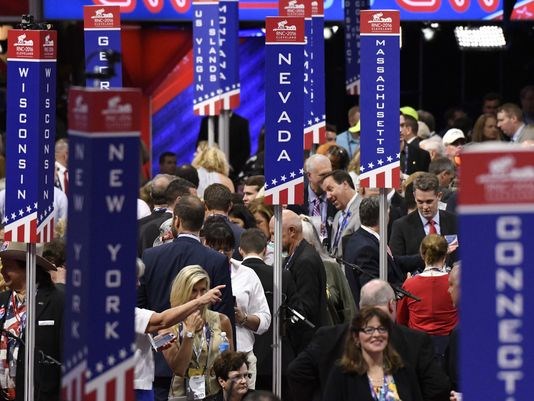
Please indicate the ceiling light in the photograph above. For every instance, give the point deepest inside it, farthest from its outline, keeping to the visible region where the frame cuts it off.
(488, 37)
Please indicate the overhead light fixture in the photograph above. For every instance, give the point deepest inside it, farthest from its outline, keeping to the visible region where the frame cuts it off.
(487, 37)
(327, 32)
(428, 33)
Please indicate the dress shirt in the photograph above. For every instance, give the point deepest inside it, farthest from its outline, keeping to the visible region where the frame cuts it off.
(426, 225)
(250, 297)
(60, 176)
(517, 134)
(347, 141)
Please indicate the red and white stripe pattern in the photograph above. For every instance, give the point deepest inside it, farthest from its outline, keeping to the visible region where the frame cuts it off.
(231, 99)
(387, 176)
(45, 230)
(289, 193)
(209, 107)
(116, 384)
(315, 134)
(72, 384)
(353, 88)
(22, 230)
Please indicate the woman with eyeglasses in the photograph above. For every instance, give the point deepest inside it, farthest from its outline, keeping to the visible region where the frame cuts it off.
(231, 370)
(370, 369)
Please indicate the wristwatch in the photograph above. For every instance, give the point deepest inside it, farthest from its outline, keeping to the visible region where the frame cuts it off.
(189, 334)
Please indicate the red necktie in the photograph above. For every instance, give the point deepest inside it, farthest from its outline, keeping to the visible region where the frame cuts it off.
(432, 227)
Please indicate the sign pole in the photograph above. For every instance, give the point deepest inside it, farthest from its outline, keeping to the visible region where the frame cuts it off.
(277, 302)
(284, 144)
(383, 246)
(211, 131)
(31, 289)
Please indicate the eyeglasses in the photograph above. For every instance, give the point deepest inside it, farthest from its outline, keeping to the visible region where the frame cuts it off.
(370, 330)
(241, 376)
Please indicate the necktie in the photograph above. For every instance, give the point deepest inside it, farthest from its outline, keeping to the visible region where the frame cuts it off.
(432, 227)
(343, 221)
(66, 181)
(316, 207)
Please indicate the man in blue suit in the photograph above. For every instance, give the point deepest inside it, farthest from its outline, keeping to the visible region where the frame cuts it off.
(362, 249)
(164, 262)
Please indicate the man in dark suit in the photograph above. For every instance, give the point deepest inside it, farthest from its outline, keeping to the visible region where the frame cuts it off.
(307, 270)
(308, 373)
(362, 249)
(239, 134)
(252, 248)
(164, 262)
(408, 231)
(315, 201)
(149, 228)
(218, 202)
(412, 157)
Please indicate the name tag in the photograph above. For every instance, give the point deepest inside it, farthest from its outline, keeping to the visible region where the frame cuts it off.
(46, 323)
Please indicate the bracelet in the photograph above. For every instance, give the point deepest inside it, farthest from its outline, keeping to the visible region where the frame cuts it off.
(242, 322)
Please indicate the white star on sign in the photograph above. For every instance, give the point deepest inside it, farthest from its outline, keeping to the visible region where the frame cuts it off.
(28, 208)
(88, 374)
(292, 174)
(21, 212)
(111, 360)
(4, 220)
(370, 165)
(266, 185)
(301, 171)
(362, 169)
(13, 216)
(390, 159)
(99, 367)
(310, 122)
(283, 178)
(316, 119)
(398, 155)
(123, 353)
(380, 162)
(35, 205)
(273, 181)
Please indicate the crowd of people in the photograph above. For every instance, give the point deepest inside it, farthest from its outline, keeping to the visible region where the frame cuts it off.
(205, 273)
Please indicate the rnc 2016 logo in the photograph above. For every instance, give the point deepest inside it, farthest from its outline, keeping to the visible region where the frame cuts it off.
(115, 106)
(103, 19)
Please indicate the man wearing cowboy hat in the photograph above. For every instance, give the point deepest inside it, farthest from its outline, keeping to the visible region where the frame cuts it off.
(49, 302)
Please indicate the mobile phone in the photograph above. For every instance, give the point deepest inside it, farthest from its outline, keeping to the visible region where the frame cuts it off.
(451, 239)
(161, 340)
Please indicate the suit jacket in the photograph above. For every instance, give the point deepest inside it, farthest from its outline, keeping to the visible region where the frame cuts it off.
(305, 209)
(263, 343)
(307, 270)
(164, 262)
(239, 146)
(149, 229)
(343, 386)
(362, 249)
(309, 372)
(50, 301)
(408, 232)
(418, 159)
(353, 225)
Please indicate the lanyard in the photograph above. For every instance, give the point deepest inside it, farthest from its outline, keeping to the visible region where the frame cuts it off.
(344, 221)
(206, 334)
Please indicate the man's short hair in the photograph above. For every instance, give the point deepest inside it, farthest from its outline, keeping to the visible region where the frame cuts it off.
(256, 181)
(511, 110)
(189, 173)
(158, 186)
(190, 210)
(177, 187)
(376, 292)
(411, 122)
(253, 240)
(426, 182)
(441, 164)
(340, 176)
(166, 154)
(370, 211)
(217, 197)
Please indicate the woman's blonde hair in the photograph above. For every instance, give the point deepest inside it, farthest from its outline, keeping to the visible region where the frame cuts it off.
(212, 159)
(183, 284)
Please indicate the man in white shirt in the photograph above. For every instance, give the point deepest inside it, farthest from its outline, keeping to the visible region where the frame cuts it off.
(62, 159)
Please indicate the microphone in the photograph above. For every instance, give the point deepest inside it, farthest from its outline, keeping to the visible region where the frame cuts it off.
(398, 290)
(298, 317)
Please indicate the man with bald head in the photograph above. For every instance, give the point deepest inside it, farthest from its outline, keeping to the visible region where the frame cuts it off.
(309, 275)
(315, 202)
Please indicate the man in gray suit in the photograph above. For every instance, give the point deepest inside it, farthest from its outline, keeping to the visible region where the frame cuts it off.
(340, 192)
